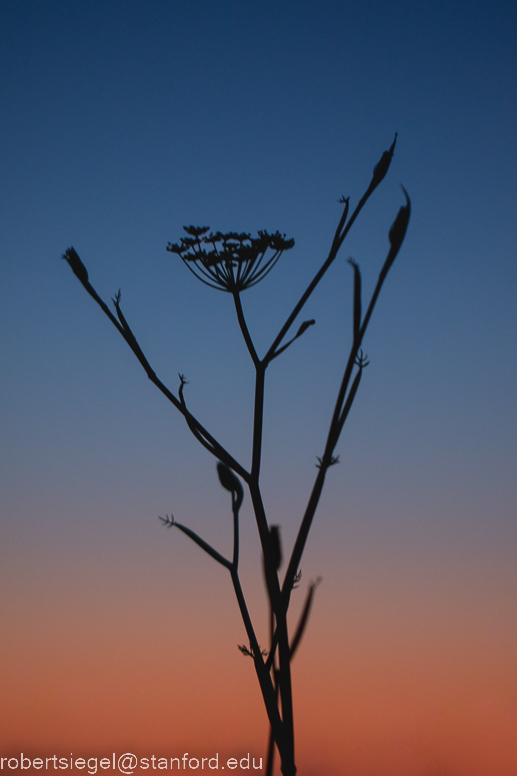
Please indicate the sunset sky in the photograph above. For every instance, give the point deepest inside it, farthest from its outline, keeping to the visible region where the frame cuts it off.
(122, 121)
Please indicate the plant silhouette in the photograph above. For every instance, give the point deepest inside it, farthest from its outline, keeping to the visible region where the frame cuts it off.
(233, 262)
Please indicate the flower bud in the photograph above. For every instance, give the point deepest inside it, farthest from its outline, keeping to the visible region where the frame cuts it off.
(275, 546)
(230, 482)
(78, 268)
(380, 169)
(399, 226)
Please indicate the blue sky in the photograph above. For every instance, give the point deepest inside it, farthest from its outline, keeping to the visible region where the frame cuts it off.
(123, 121)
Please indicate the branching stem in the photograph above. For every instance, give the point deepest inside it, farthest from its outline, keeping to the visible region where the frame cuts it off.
(240, 265)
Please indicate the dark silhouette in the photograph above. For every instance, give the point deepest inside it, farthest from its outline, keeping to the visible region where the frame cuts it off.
(234, 262)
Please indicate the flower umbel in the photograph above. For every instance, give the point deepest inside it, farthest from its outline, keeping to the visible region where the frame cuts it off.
(230, 262)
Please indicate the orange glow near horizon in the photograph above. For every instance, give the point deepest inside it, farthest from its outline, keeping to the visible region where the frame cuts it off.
(383, 684)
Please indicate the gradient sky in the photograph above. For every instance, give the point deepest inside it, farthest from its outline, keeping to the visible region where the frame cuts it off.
(123, 121)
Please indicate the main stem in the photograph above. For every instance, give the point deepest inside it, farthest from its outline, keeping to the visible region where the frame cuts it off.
(286, 744)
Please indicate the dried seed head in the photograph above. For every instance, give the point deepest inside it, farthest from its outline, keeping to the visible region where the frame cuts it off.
(232, 261)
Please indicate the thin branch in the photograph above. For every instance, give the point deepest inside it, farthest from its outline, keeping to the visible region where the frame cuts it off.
(258, 420)
(201, 434)
(271, 742)
(303, 328)
(338, 235)
(235, 510)
(357, 297)
(285, 684)
(379, 172)
(304, 617)
(169, 522)
(342, 407)
(191, 420)
(244, 328)
(266, 685)
(396, 235)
